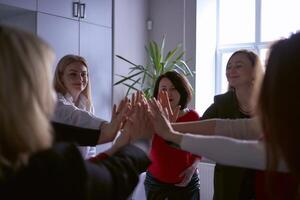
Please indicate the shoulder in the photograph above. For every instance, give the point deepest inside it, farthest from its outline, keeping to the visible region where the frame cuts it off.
(224, 98)
(64, 99)
(60, 152)
(56, 172)
(190, 115)
(223, 105)
(193, 113)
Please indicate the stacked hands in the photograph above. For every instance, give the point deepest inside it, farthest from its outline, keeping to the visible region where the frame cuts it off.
(139, 118)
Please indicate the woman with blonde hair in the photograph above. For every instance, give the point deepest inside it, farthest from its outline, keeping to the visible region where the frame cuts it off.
(31, 166)
(75, 107)
(61, 86)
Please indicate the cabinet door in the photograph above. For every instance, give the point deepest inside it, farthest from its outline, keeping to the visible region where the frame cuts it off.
(62, 34)
(18, 17)
(96, 47)
(98, 12)
(28, 4)
(57, 7)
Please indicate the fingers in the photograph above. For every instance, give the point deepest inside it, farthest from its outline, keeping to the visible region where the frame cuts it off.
(114, 110)
(175, 114)
(166, 102)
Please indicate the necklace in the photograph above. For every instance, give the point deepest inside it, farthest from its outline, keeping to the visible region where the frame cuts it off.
(245, 110)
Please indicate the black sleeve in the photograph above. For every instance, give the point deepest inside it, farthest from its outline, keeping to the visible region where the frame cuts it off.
(211, 112)
(81, 136)
(117, 176)
(61, 173)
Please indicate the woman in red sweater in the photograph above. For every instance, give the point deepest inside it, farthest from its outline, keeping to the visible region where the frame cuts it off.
(173, 172)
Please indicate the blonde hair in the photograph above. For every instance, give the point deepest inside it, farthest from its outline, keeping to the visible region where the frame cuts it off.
(60, 68)
(26, 96)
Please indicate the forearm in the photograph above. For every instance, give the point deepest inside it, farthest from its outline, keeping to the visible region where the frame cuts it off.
(81, 136)
(116, 176)
(228, 151)
(106, 134)
(248, 129)
(236, 128)
(205, 127)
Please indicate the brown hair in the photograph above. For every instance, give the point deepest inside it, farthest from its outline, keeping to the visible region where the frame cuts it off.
(278, 105)
(60, 68)
(181, 84)
(258, 75)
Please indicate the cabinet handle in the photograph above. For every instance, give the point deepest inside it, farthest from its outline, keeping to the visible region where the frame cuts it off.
(82, 10)
(75, 9)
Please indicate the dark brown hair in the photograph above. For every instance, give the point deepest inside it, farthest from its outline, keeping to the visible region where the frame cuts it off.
(181, 84)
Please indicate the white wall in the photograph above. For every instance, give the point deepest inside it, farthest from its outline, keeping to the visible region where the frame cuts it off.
(130, 36)
(205, 54)
(176, 19)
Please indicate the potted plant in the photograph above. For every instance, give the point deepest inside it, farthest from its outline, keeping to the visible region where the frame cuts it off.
(158, 63)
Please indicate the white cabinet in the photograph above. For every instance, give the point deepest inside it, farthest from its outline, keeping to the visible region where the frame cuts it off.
(92, 11)
(18, 17)
(96, 47)
(62, 34)
(98, 12)
(26, 4)
(62, 8)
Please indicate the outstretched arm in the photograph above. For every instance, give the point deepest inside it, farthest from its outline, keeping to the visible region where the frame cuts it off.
(228, 151)
(235, 128)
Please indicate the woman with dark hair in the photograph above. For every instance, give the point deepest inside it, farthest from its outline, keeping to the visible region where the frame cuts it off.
(172, 173)
(278, 114)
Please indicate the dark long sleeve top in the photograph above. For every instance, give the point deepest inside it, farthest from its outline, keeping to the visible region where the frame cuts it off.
(61, 173)
(81, 136)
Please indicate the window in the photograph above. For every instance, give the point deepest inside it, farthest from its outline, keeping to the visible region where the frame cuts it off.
(246, 24)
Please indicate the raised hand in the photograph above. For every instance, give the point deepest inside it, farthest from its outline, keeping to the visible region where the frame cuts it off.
(119, 114)
(159, 119)
(137, 124)
(165, 103)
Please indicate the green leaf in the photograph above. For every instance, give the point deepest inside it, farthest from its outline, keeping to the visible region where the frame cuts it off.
(131, 86)
(170, 55)
(156, 65)
(162, 48)
(128, 78)
(186, 67)
(122, 58)
(179, 56)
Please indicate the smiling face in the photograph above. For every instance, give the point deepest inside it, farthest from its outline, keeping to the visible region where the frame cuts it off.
(75, 78)
(174, 96)
(239, 71)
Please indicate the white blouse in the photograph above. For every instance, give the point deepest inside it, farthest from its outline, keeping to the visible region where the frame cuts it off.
(66, 112)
